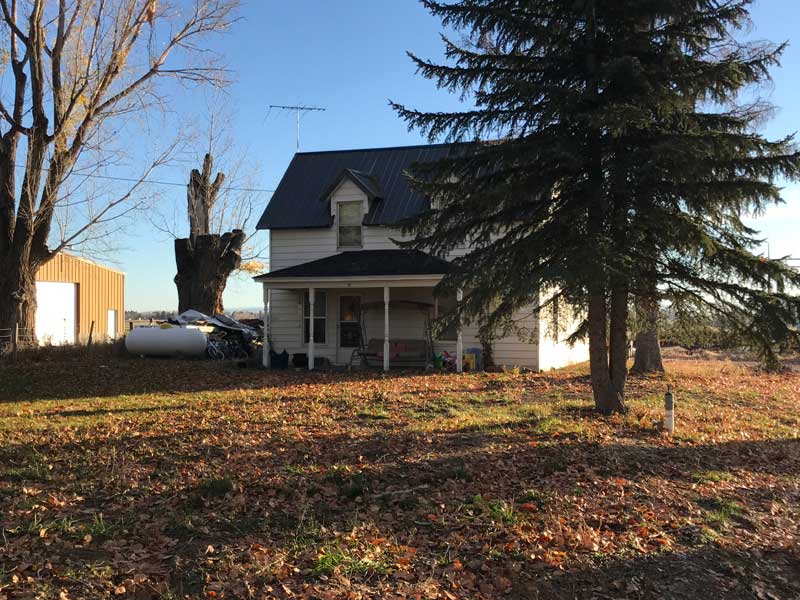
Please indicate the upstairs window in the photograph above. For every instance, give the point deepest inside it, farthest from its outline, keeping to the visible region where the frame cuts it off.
(349, 220)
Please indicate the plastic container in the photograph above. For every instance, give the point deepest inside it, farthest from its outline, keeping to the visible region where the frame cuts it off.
(469, 361)
(171, 341)
(477, 353)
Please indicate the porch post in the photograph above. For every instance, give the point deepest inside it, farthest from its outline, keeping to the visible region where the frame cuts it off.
(265, 357)
(310, 329)
(386, 328)
(459, 339)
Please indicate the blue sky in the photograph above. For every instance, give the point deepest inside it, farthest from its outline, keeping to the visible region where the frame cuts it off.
(349, 57)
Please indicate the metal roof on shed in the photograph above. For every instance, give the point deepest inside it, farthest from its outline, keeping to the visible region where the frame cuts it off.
(299, 200)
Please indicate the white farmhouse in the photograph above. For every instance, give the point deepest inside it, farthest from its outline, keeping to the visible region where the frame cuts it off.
(338, 283)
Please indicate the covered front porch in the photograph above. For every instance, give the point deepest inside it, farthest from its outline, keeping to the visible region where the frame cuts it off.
(375, 305)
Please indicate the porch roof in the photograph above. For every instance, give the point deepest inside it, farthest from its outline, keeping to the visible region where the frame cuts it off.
(363, 265)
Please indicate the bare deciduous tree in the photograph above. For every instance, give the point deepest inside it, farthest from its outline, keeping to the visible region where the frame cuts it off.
(220, 207)
(205, 260)
(76, 66)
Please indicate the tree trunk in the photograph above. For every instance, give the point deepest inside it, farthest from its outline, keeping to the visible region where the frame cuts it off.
(201, 196)
(205, 260)
(618, 347)
(608, 380)
(598, 353)
(18, 299)
(648, 350)
(203, 269)
(487, 351)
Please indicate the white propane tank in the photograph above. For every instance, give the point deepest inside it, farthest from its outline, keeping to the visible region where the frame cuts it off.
(171, 341)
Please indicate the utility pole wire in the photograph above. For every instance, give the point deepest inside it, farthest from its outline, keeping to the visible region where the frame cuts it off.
(298, 110)
(152, 181)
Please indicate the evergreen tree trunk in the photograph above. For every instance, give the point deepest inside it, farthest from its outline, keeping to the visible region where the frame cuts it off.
(598, 352)
(487, 350)
(648, 350)
(618, 346)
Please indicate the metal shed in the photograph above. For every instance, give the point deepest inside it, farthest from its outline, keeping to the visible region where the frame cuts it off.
(72, 293)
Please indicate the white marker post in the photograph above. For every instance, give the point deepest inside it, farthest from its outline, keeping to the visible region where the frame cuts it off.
(669, 411)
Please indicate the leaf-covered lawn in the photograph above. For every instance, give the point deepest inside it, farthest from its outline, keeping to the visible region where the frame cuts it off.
(171, 479)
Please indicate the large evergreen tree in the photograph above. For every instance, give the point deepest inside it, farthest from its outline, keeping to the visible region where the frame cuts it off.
(608, 146)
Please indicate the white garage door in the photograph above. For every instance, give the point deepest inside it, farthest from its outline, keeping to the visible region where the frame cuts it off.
(56, 312)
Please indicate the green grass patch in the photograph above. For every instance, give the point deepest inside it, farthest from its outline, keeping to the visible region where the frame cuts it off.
(215, 487)
(718, 512)
(712, 476)
(335, 559)
(498, 511)
(328, 560)
(538, 498)
(31, 467)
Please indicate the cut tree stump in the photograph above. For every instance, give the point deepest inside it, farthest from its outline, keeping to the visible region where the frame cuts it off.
(204, 267)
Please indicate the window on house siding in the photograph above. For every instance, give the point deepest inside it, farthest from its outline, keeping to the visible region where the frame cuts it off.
(320, 317)
(349, 220)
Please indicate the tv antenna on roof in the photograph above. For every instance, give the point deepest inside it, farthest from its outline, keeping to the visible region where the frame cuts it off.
(299, 110)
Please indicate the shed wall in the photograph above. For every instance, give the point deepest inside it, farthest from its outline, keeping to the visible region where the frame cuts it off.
(100, 289)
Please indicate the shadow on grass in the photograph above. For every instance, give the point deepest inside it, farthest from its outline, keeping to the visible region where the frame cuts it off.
(106, 377)
(116, 411)
(706, 572)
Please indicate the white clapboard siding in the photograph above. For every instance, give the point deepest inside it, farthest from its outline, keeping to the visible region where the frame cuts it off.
(290, 247)
(522, 349)
(554, 352)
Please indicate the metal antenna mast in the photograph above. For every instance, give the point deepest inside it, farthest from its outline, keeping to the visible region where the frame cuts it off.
(298, 111)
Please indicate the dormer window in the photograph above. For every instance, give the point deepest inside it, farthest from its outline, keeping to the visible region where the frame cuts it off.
(349, 219)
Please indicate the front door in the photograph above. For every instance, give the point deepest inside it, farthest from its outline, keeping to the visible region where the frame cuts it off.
(349, 327)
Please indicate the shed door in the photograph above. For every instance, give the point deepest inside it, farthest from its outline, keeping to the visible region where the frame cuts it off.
(111, 328)
(56, 312)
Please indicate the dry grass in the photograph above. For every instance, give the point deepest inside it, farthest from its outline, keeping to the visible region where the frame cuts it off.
(166, 479)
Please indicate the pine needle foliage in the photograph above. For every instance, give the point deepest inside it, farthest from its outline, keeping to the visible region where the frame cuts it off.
(608, 143)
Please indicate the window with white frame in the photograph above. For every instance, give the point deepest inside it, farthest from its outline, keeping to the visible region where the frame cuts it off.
(349, 219)
(320, 317)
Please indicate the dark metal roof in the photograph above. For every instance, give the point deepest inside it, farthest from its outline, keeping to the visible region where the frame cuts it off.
(365, 182)
(300, 200)
(369, 184)
(365, 263)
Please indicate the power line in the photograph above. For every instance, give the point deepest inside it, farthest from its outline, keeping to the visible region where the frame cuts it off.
(153, 181)
(299, 110)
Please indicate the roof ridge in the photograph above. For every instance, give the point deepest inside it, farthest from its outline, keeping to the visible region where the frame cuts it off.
(377, 149)
(88, 261)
